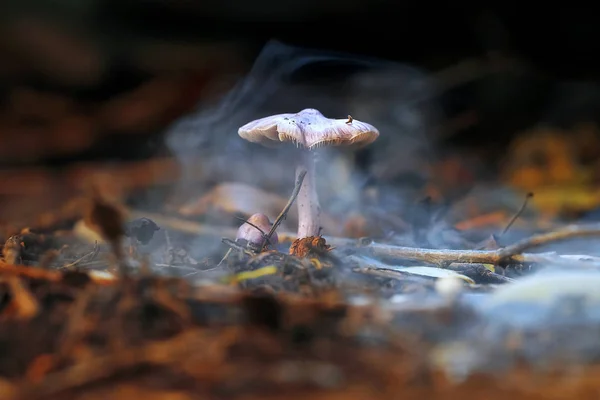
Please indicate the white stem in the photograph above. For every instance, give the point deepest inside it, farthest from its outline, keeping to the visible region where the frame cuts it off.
(309, 210)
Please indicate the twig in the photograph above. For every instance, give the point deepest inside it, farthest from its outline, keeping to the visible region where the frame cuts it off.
(442, 258)
(236, 246)
(168, 239)
(569, 232)
(91, 255)
(224, 257)
(436, 256)
(195, 228)
(518, 214)
(510, 254)
(266, 237)
(233, 246)
(283, 214)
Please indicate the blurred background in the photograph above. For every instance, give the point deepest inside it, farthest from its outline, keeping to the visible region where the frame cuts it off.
(462, 95)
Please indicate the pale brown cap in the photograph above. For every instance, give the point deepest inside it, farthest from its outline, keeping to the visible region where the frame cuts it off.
(309, 129)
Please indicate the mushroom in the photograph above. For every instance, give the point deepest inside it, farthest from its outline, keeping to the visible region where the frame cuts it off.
(308, 130)
(254, 231)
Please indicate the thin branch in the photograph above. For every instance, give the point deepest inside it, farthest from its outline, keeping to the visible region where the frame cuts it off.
(569, 232)
(265, 236)
(224, 257)
(436, 256)
(235, 246)
(518, 214)
(283, 214)
(87, 257)
(509, 254)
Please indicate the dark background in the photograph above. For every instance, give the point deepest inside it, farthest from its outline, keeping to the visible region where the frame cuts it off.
(92, 53)
(560, 41)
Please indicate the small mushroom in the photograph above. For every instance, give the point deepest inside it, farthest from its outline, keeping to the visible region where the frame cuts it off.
(308, 130)
(254, 231)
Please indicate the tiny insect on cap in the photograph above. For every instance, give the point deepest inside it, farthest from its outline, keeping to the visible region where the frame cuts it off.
(309, 129)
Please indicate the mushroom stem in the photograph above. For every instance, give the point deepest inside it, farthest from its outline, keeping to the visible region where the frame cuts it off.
(309, 210)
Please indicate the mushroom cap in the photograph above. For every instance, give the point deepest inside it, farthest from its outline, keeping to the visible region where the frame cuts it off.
(253, 235)
(309, 129)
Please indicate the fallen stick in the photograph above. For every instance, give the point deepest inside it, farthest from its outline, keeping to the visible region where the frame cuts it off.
(513, 253)
(566, 233)
(443, 257)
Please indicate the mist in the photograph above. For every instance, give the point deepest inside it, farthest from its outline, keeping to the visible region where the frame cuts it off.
(396, 98)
